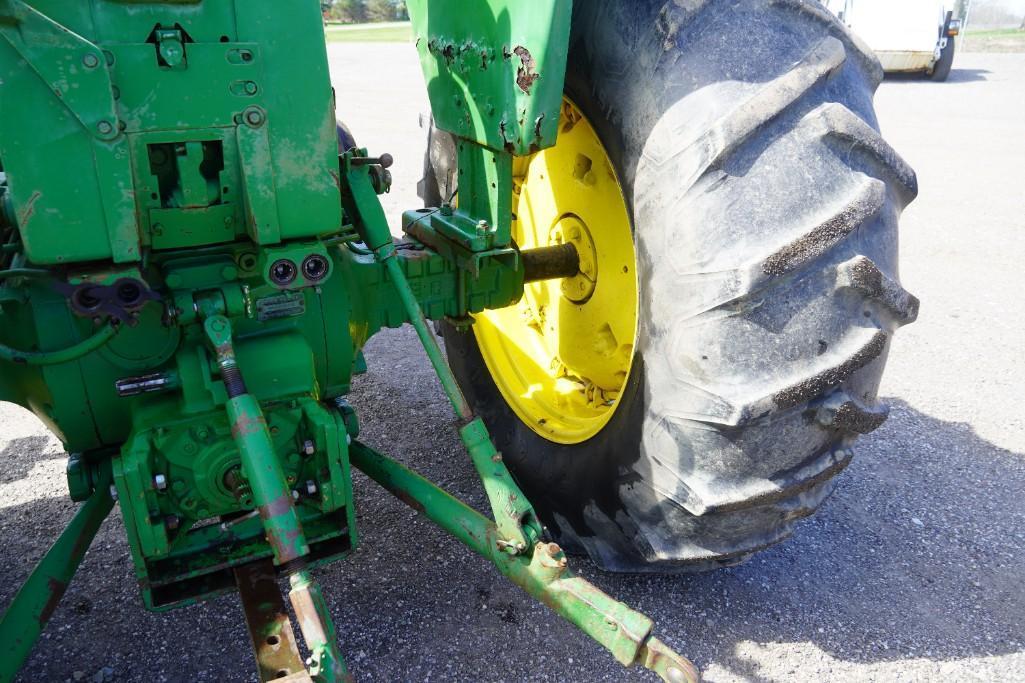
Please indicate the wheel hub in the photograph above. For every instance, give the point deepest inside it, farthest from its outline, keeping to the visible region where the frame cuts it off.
(561, 357)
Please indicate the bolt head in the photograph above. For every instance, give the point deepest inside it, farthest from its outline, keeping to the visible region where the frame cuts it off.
(90, 61)
(309, 447)
(254, 117)
(160, 482)
(113, 492)
(104, 127)
(311, 488)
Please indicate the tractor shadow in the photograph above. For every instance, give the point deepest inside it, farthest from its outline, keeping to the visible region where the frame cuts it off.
(917, 555)
(20, 455)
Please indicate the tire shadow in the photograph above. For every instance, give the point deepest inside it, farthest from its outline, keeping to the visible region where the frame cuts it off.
(956, 76)
(917, 555)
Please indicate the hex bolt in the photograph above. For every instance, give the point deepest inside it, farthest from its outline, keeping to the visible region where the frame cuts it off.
(105, 127)
(254, 117)
(113, 492)
(160, 482)
(311, 487)
(309, 447)
(482, 228)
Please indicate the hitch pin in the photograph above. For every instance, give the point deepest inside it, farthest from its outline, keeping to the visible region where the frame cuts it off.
(238, 520)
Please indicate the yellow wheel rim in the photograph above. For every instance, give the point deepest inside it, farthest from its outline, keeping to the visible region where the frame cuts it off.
(562, 356)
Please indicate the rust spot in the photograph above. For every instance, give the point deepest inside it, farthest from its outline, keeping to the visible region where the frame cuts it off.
(525, 75)
(29, 210)
(409, 500)
(56, 589)
(248, 425)
(279, 506)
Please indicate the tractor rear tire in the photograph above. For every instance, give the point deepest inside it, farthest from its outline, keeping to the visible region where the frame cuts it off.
(764, 207)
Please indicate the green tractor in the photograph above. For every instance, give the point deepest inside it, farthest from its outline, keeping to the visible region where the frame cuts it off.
(661, 247)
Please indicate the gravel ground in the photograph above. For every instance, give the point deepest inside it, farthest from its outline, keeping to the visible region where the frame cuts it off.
(912, 571)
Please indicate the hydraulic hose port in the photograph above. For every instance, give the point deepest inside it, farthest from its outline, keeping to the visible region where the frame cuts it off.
(129, 293)
(85, 302)
(315, 268)
(283, 272)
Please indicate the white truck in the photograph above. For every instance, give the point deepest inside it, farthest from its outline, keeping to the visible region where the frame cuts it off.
(908, 36)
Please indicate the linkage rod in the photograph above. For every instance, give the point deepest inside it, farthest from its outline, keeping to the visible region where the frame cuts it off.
(544, 574)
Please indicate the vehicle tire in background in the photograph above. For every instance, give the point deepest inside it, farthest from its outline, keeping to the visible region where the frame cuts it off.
(941, 70)
(764, 207)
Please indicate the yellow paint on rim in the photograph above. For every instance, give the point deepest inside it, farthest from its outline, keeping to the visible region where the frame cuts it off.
(562, 356)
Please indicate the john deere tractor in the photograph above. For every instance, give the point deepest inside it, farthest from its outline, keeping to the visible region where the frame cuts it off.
(660, 245)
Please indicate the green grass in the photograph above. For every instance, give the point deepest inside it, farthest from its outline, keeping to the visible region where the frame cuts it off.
(370, 33)
(994, 40)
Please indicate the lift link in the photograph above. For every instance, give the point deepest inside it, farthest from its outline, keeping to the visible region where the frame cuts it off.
(32, 607)
(266, 478)
(544, 573)
(518, 525)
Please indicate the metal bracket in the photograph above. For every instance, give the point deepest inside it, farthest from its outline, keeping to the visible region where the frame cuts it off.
(73, 68)
(171, 46)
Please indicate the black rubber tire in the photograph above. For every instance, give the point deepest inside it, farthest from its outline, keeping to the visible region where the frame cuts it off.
(941, 69)
(765, 208)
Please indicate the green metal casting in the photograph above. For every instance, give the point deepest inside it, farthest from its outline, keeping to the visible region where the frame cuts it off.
(189, 271)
